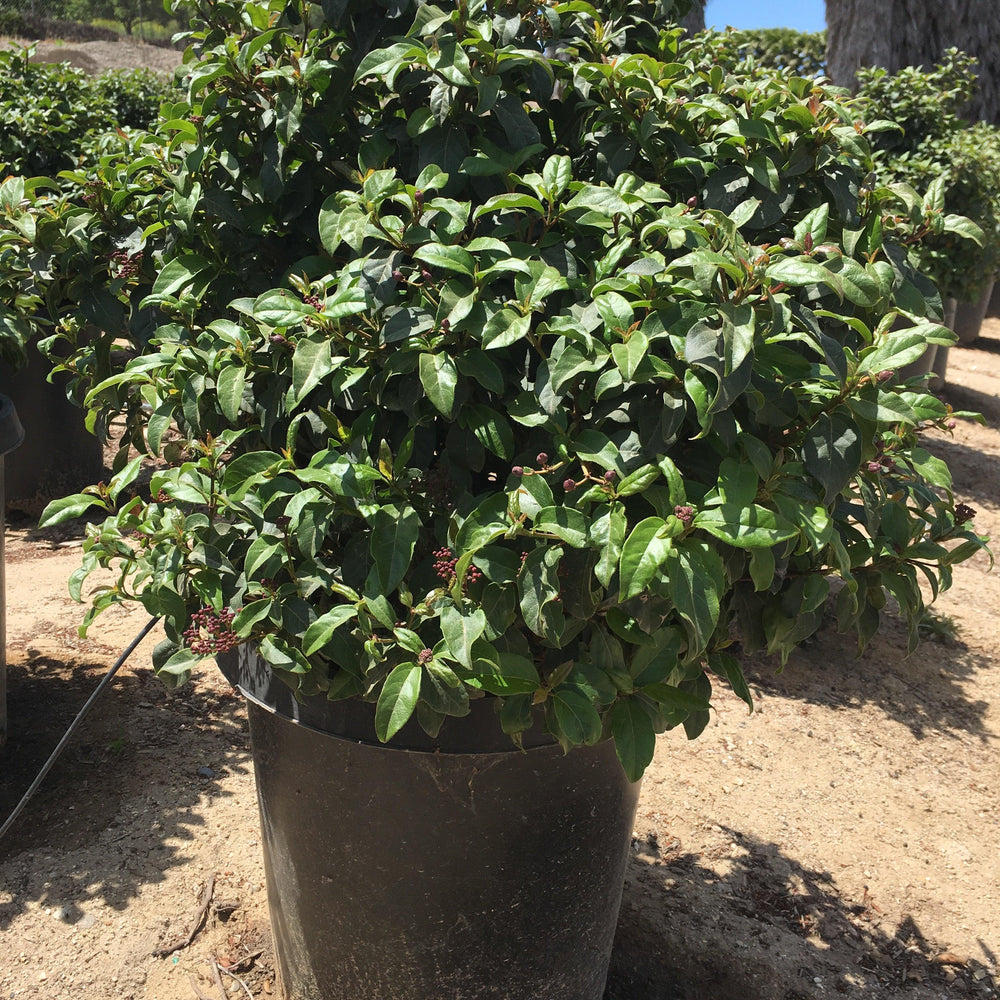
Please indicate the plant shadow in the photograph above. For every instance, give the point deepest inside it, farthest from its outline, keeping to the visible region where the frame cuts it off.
(927, 691)
(141, 754)
(963, 397)
(760, 925)
(976, 474)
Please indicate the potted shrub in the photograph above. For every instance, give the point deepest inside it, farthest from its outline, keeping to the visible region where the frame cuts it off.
(52, 117)
(933, 142)
(496, 420)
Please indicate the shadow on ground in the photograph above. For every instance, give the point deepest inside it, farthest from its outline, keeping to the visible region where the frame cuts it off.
(137, 754)
(981, 484)
(925, 691)
(768, 929)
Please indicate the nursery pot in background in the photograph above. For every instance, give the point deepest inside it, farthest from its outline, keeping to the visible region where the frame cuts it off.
(453, 867)
(60, 455)
(11, 436)
(969, 316)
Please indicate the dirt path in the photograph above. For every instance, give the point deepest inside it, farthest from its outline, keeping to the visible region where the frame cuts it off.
(842, 840)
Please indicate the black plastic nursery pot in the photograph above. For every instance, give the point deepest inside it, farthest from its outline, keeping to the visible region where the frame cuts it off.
(60, 455)
(969, 316)
(456, 868)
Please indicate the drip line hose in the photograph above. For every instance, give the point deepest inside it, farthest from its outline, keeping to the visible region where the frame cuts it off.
(74, 725)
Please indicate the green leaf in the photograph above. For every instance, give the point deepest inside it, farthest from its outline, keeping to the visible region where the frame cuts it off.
(644, 553)
(745, 527)
(538, 586)
(311, 363)
(629, 355)
(696, 582)
(179, 274)
(461, 630)
(593, 446)
(320, 631)
(448, 258)
(491, 429)
(578, 720)
(281, 308)
(397, 700)
(514, 675)
(66, 508)
(603, 200)
(676, 698)
(607, 532)
(638, 481)
(634, 736)
(442, 689)
(556, 175)
(832, 452)
(394, 535)
(505, 328)
(439, 377)
(229, 386)
(894, 350)
(563, 522)
(798, 271)
(178, 667)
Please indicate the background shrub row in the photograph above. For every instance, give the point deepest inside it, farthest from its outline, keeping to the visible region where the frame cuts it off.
(51, 114)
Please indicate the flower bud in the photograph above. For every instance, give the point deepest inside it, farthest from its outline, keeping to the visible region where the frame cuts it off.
(541, 458)
(569, 485)
(398, 275)
(684, 513)
(517, 470)
(609, 476)
(963, 513)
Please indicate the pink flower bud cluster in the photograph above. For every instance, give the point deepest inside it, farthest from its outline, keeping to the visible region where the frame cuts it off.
(210, 632)
(444, 566)
(684, 513)
(126, 266)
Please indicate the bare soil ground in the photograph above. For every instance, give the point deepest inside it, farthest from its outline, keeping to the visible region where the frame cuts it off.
(842, 840)
(95, 57)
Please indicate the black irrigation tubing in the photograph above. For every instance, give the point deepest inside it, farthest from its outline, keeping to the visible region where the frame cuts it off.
(60, 746)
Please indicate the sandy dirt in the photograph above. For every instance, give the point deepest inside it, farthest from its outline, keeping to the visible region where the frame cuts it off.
(844, 840)
(95, 57)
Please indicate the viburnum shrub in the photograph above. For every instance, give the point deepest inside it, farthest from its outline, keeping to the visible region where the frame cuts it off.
(935, 143)
(510, 350)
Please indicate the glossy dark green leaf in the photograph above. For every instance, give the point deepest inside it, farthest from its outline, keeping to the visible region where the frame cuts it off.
(397, 700)
(538, 587)
(643, 556)
(696, 585)
(634, 736)
(831, 451)
(578, 720)
(461, 628)
(439, 377)
(320, 631)
(394, 535)
(565, 523)
(745, 527)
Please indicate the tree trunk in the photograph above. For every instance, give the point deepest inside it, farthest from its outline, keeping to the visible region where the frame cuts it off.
(898, 33)
(695, 19)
